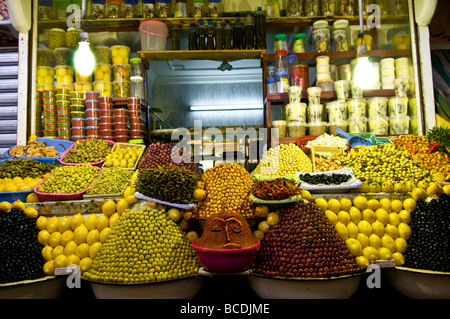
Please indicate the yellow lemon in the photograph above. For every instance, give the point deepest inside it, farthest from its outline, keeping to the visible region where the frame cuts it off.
(52, 224)
(400, 245)
(131, 199)
(102, 222)
(43, 237)
(18, 204)
(404, 231)
(354, 246)
(32, 198)
(363, 239)
(386, 204)
(353, 230)
(365, 227)
(362, 261)
(41, 222)
(368, 215)
(94, 249)
(388, 242)
(54, 239)
(396, 205)
(130, 190)
(373, 204)
(409, 204)
(355, 214)
(91, 221)
(199, 194)
(332, 217)
(82, 250)
(5, 206)
(394, 219)
(346, 204)
(399, 259)
(422, 184)
(434, 189)
(370, 253)
(58, 250)
(343, 217)
(63, 224)
(72, 260)
(70, 248)
(46, 253)
(306, 195)
(322, 203)
(382, 216)
(80, 234)
(66, 237)
(334, 205)
(419, 193)
(405, 216)
(104, 234)
(391, 231)
(446, 189)
(385, 253)
(360, 202)
(92, 237)
(378, 228)
(85, 264)
(49, 268)
(122, 205)
(113, 219)
(342, 230)
(76, 220)
(60, 261)
(374, 241)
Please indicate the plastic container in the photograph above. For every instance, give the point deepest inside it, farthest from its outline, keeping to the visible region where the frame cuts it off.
(103, 87)
(295, 112)
(402, 71)
(281, 43)
(82, 78)
(413, 125)
(387, 62)
(63, 111)
(356, 108)
(102, 72)
(65, 86)
(377, 107)
(122, 72)
(299, 46)
(398, 106)
(83, 86)
(399, 125)
(73, 37)
(64, 74)
(153, 35)
(337, 111)
(282, 78)
(357, 125)
(102, 54)
(56, 38)
(323, 76)
(271, 86)
(326, 85)
(321, 36)
(281, 126)
(378, 125)
(401, 62)
(295, 94)
(333, 126)
(401, 42)
(297, 129)
(78, 122)
(388, 71)
(342, 88)
(317, 128)
(45, 57)
(412, 107)
(137, 86)
(120, 125)
(122, 88)
(92, 121)
(401, 86)
(315, 113)
(314, 94)
(341, 35)
(120, 54)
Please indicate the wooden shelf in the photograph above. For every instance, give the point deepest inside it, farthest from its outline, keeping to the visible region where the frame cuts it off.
(220, 55)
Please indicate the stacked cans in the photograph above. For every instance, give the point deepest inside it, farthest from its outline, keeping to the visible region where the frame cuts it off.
(134, 117)
(49, 114)
(106, 118)
(92, 105)
(77, 113)
(63, 113)
(121, 125)
(38, 117)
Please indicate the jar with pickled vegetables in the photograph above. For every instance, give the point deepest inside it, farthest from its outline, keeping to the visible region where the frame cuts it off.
(311, 7)
(114, 8)
(56, 38)
(73, 37)
(97, 10)
(328, 7)
(340, 35)
(321, 36)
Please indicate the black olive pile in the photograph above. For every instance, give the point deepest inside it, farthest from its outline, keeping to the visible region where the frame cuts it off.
(429, 245)
(329, 179)
(88, 151)
(20, 252)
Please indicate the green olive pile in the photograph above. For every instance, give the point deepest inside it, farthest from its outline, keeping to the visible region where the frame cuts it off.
(144, 246)
(69, 179)
(112, 180)
(23, 167)
(88, 151)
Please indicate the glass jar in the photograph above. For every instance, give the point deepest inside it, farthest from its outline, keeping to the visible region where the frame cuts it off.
(321, 36)
(148, 8)
(97, 10)
(56, 38)
(340, 35)
(280, 61)
(137, 86)
(181, 9)
(299, 46)
(271, 85)
(163, 9)
(61, 12)
(214, 8)
(132, 9)
(294, 8)
(328, 7)
(45, 10)
(311, 7)
(114, 8)
(347, 7)
(136, 66)
(73, 37)
(198, 8)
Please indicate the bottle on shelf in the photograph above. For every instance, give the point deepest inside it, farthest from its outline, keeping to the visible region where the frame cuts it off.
(181, 9)
(210, 36)
(201, 35)
(227, 36)
(249, 32)
(238, 33)
(260, 29)
(218, 33)
(192, 37)
(176, 37)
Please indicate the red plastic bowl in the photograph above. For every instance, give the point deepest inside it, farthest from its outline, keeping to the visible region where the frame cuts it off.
(226, 260)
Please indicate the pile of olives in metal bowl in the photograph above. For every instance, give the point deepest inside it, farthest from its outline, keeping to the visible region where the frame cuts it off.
(88, 151)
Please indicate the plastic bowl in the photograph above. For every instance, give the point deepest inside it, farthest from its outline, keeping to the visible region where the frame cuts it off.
(226, 260)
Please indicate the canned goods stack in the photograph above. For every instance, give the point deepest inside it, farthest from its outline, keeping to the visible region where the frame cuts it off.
(78, 117)
(121, 125)
(49, 113)
(63, 110)
(134, 117)
(38, 117)
(106, 118)
(92, 105)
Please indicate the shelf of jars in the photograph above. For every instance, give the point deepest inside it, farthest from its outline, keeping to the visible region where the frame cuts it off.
(201, 55)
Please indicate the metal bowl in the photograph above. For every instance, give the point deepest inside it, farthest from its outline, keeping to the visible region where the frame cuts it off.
(49, 287)
(419, 283)
(342, 287)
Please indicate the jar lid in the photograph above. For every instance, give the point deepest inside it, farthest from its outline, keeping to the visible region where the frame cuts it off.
(300, 36)
(291, 58)
(282, 73)
(57, 30)
(339, 24)
(271, 80)
(320, 24)
(135, 60)
(280, 37)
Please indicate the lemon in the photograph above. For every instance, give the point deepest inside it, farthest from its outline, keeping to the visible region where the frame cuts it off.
(360, 202)
(43, 237)
(368, 215)
(49, 268)
(54, 239)
(343, 217)
(66, 237)
(354, 246)
(405, 216)
(131, 199)
(391, 231)
(385, 253)
(374, 241)
(60, 261)
(400, 245)
(122, 205)
(94, 249)
(434, 189)
(113, 219)
(102, 222)
(32, 198)
(63, 224)
(46, 253)
(342, 230)
(322, 203)
(409, 204)
(104, 234)
(306, 195)
(419, 193)
(396, 205)
(386, 204)
(399, 259)
(92, 237)
(199, 194)
(373, 204)
(91, 221)
(362, 261)
(72, 260)
(273, 219)
(352, 230)
(76, 220)
(388, 242)
(258, 234)
(52, 224)
(332, 217)
(58, 250)
(346, 204)
(355, 214)
(334, 205)
(31, 212)
(404, 231)
(365, 227)
(130, 190)
(5, 206)
(82, 250)
(85, 264)
(363, 239)
(70, 248)
(422, 184)
(378, 228)
(446, 189)
(382, 216)
(370, 253)
(394, 219)
(18, 204)
(80, 234)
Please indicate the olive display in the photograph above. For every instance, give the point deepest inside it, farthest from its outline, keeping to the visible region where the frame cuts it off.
(69, 179)
(24, 167)
(88, 151)
(329, 179)
(144, 246)
(111, 180)
(20, 252)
